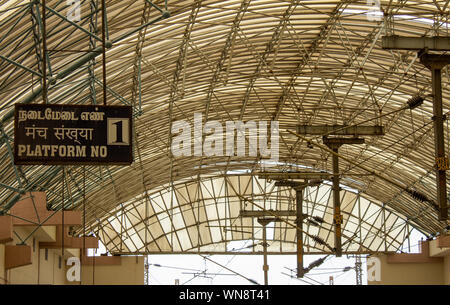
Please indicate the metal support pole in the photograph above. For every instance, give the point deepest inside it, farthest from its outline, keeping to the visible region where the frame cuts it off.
(44, 53)
(299, 202)
(435, 62)
(441, 160)
(337, 217)
(62, 212)
(334, 144)
(79, 62)
(61, 75)
(140, 83)
(104, 49)
(264, 222)
(265, 266)
(358, 270)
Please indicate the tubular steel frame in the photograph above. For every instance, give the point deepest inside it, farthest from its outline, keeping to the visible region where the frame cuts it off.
(291, 62)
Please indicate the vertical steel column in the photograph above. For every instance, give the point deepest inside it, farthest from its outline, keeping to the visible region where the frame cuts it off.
(265, 266)
(264, 222)
(62, 212)
(337, 217)
(299, 202)
(435, 62)
(334, 144)
(104, 49)
(439, 143)
(83, 252)
(44, 55)
(358, 269)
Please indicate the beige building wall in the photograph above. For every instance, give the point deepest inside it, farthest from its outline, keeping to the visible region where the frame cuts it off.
(52, 271)
(2, 264)
(49, 267)
(25, 274)
(129, 272)
(43, 270)
(447, 270)
(409, 273)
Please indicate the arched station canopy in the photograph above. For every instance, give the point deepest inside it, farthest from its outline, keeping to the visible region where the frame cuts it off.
(294, 62)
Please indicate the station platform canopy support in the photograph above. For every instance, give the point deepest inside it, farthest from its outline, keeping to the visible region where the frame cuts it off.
(334, 137)
(435, 63)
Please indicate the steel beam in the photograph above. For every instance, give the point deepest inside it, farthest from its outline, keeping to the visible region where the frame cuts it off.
(268, 213)
(294, 175)
(233, 253)
(337, 142)
(290, 183)
(64, 72)
(354, 130)
(80, 62)
(20, 66)
(74, 24)
(438, 43)
(299, 223)
(334, 144)
(264, 222)
(435, 63)
(337, 217)
(441, 181)
(299, 187)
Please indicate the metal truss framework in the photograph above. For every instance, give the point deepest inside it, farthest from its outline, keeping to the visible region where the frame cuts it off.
(205, 216)
(297, 62)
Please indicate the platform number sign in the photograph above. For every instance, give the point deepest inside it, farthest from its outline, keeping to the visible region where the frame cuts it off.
(118, 131)
(51, 134)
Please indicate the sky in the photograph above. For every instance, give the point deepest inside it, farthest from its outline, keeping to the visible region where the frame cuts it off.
(249, 266)
(187, 269)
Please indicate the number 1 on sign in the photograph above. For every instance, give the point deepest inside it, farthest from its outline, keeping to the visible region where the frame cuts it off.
(118, 131)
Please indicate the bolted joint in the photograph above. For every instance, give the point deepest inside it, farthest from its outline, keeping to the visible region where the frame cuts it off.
(108, 44)
(338, 219)
(434, 117)
(442, 163)
(52, 80)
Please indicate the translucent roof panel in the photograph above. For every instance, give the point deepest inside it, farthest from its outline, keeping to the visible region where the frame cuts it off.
(317, 62)
(212, 222)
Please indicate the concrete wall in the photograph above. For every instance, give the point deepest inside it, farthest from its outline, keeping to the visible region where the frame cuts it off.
(129, 272)
(2, 264)
(42, 270)
(447, 270)
(41, 260)
(51, 269)
(429, 267)
(409, 273)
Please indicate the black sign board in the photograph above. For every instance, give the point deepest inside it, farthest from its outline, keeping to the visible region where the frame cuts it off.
(52, 134)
